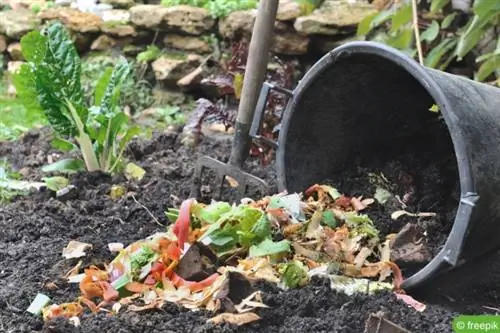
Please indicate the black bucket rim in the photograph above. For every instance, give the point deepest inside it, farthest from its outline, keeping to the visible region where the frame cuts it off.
(449, 255)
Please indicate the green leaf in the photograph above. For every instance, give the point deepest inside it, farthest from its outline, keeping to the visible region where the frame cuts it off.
(437, 5)
(268, 247)
(59, 77)
(56, 183)
(485, 57)
(434, 57)
(486, 7)
(403, 16)
(53, 79)
(20, 185)
(329, 219)
(172, 214)
(63, 144)
(211, 213)
(448, 20)
(360, 224)
(293, 274)
(382, 17)
(247, 218)
(110, 98)
(364, 27)
(133, 171)
(381, 194)
(141, 258)
(402, 40)
(431, 32)
(262, 228)
(473, 34)
(129, 135)
(225, 237)
(152, 52)
(24, 81)
(68, 165)
(488, 67)
(102, 85)
(34, 47)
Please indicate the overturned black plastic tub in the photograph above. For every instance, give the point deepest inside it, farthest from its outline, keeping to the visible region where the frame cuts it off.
(365, 100)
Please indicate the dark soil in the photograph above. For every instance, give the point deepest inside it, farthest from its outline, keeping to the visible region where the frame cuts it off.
(35, 229)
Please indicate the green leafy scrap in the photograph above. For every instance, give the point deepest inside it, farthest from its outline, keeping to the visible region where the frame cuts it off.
(141, 258)
(242, 223)
(293, 274)
(56, 183)
(211, 213)
(268, 247)
(360, 224)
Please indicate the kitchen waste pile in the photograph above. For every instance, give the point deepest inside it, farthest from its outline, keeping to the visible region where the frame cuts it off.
(213, 254)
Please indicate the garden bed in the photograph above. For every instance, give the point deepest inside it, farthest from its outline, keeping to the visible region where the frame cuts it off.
(35, 229)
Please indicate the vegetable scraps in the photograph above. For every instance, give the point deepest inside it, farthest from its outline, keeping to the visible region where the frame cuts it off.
(283, 238)
(49, 83)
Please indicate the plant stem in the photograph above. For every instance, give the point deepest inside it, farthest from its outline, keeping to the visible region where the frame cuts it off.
(106, 152)
(84, 141)
(417, 32)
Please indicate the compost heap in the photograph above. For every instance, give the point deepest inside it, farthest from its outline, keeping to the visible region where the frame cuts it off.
(210, 257)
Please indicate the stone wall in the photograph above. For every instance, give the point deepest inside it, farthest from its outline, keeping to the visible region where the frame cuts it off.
(129, 28)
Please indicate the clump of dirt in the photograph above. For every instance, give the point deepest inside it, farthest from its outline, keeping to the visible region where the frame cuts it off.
(35, 229)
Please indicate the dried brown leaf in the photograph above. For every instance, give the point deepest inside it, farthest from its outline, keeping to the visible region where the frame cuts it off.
(51, 286)
(74, 271)
(370, 270)
(232, 182)
(302, 251)
(385, 250)
(292, 229)
(314, 230)
(361, 257)
(75, 249)
(251, 302)
(149, 306)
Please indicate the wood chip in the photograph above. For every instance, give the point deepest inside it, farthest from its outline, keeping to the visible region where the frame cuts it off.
(234, 318)
(115, 247)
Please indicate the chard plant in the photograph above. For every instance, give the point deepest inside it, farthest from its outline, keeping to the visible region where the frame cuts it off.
(50, 83)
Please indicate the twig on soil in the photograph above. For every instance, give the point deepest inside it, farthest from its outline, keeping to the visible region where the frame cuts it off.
(417, 32)
(148, 211)
(491, 308)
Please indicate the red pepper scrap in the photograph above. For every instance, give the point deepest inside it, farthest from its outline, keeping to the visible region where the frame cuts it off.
(181, 226)
(193, 285)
